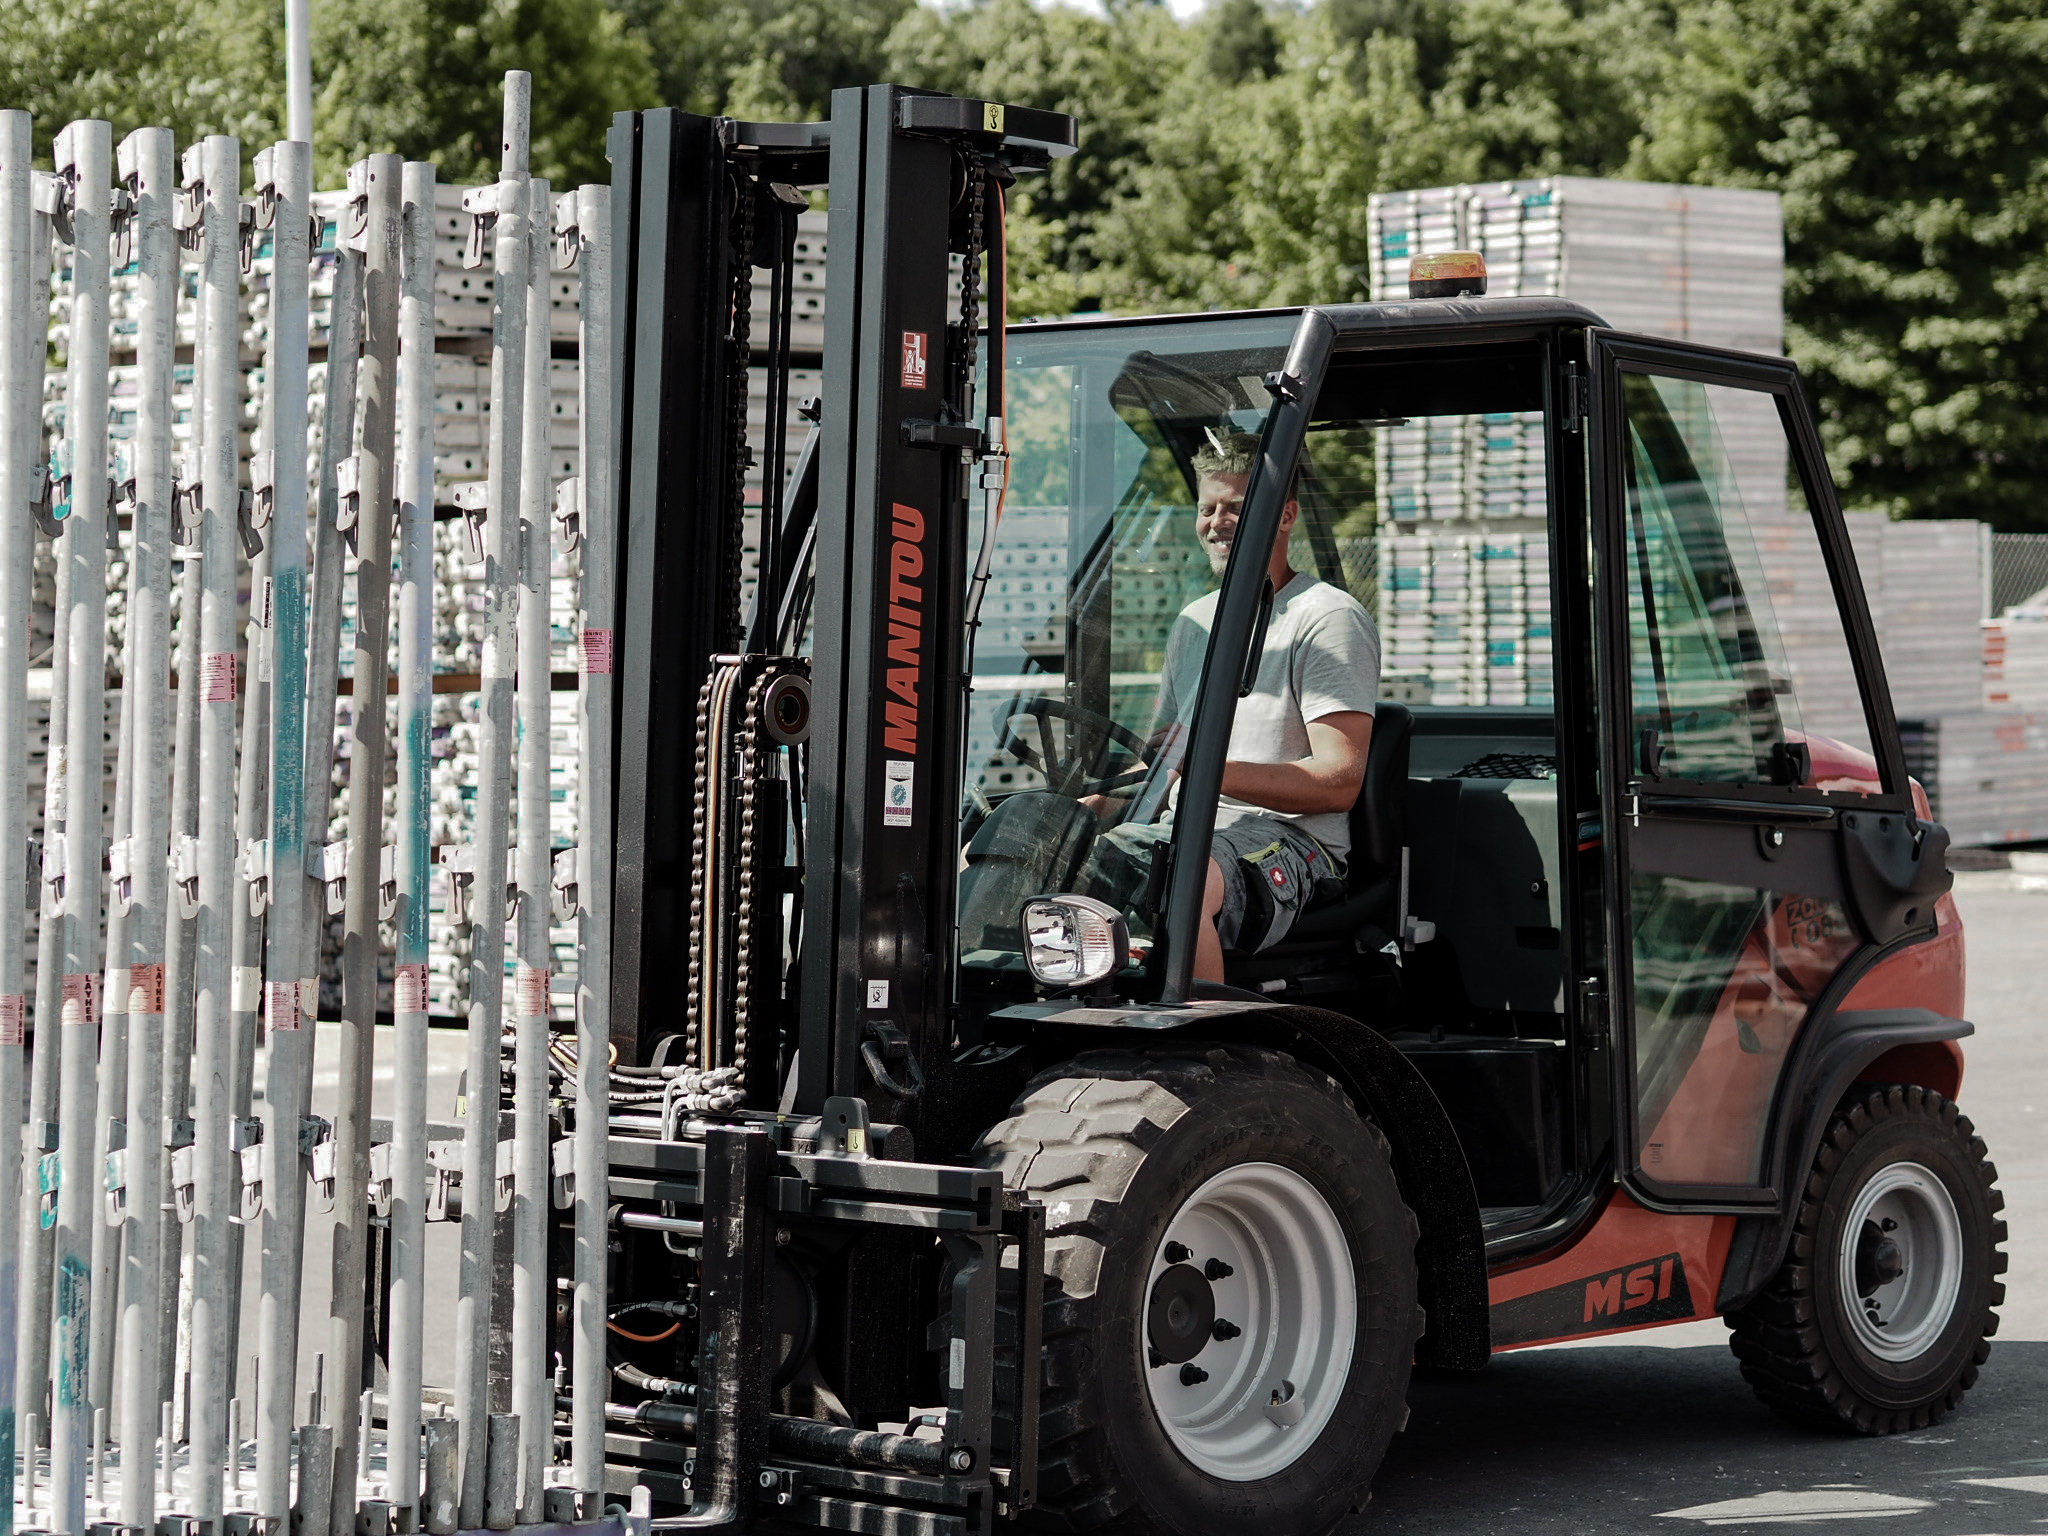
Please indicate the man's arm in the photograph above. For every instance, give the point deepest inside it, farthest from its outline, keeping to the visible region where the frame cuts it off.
(1328, 779)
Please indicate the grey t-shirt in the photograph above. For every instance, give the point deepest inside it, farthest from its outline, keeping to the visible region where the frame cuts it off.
(1322, 657)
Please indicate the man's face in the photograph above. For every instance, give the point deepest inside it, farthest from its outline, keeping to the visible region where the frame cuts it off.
(1219, 504)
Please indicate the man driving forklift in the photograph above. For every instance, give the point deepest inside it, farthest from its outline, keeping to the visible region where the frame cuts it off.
(1298, 747)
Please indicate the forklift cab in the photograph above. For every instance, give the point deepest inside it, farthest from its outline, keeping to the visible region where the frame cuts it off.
(1634, 813)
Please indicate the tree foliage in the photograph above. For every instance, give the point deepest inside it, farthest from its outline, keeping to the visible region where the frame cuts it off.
(1227, 159)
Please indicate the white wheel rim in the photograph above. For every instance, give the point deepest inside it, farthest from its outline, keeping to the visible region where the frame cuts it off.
(1901, 1262)
(1291, 1290)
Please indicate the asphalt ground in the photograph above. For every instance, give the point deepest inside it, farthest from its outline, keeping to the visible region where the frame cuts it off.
(1657, 1431)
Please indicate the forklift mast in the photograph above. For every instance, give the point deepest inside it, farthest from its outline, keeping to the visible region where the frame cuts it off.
(879, 501)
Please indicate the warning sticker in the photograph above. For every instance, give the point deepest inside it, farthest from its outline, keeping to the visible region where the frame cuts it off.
(13, 1019)
(217, 676)
(146, 989)
(117, 989)
(916, 358)
(309, 996)
(245, 989)
(409, 989)
(597, 652)
(281, 1004)
(81, 998)
(897, 801)
(530, 990)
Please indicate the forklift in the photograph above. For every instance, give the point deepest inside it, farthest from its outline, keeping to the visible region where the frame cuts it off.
(943, 1193)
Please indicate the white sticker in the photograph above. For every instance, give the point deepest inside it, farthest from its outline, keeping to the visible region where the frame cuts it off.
(878, 994)
(896, 792)
(245, 989)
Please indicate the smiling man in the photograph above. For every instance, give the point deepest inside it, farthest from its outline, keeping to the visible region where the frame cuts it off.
(1297, 748)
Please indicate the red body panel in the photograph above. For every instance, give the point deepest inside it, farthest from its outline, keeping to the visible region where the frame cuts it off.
(1633, 1268)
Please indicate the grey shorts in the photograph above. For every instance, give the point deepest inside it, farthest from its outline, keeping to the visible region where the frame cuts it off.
(1283, 860)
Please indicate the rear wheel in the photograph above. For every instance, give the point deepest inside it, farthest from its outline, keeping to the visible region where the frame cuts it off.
(1881, 1314)
(1230, 1308)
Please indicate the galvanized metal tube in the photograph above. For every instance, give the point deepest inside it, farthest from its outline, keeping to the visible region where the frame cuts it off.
(180, 951)
(150, 157)
(594, 847)
(216, 167)
(370, 672)
(33, 1385)
(18, 450)
(323, 650)
(533, 1395)
(501, 1472)
(84, 153)
(415, 730)
(443, 1438)
(285, 176)
(493, 805)
(110, 1133)
(245, 927)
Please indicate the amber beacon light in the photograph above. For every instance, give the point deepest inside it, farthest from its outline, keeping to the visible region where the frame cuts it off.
(1447, 275)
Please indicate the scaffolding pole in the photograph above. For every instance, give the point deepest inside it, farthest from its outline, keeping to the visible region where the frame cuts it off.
(213, 175)
(415, 796)
(18, 451)
(493, 801)
(379, 176)
(149, 164)
(591, 246)
(84, 159)
(533, 1396)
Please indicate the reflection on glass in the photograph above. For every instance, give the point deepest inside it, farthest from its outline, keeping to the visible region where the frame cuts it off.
(1724, 977)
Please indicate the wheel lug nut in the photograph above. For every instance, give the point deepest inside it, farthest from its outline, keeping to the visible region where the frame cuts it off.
(1178, 1253)
(1154, 1358)
(1192, 1375)
(1223, 1328)
(1216, 1269)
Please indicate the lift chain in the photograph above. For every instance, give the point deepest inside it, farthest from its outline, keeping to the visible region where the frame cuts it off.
(752, 771)
(700, 799)
(969, 349)
(739, 353)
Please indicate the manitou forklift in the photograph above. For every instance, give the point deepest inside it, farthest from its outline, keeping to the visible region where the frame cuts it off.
(942, 1192)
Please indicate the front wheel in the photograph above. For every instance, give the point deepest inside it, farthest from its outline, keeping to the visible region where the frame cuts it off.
(1881, 1314)
(1231, 1293)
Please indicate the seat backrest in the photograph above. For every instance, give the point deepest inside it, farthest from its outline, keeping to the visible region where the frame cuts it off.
(1378, 819)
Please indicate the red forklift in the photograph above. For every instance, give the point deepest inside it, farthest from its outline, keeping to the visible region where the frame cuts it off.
(1636, 997)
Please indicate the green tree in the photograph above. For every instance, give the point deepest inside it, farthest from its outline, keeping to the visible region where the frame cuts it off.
(1910, 141)
(763, 59)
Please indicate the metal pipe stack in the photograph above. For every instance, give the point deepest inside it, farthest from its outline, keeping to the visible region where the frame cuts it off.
(220, 506)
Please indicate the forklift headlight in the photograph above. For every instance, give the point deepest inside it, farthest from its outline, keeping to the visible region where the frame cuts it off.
(1073, 941)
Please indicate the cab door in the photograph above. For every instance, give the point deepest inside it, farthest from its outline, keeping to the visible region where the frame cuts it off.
(1753, 777)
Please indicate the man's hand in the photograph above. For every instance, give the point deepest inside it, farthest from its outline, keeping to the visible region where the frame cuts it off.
(1328, 779)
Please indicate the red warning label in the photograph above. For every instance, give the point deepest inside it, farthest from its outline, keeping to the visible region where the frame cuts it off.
(145, 989)
(217, 677)
(597, 652)
(13, 1019)
(916, 358)
(81, 998)
(409, 989)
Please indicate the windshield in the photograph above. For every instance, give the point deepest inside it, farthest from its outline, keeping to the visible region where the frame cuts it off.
(1092, 631)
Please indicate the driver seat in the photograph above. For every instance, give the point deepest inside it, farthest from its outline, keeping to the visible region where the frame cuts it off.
(1379, 830)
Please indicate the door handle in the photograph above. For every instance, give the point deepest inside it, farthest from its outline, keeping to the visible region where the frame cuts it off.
(1700, 808)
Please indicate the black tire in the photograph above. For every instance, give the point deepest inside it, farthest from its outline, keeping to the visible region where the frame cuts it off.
(1798, 1341)
(1114, 1143)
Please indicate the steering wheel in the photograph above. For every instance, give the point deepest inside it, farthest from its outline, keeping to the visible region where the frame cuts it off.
(1091, 755)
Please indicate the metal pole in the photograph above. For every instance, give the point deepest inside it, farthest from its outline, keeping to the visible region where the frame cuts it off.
(533, 1393)
(18, 445)
(594, 846)
(493, 806)
(84, 155)
(369, 673)
(415, 727)
(181, 944)
(148, 158)
(298, 71)
(215, 166)
(284, 179)
(32, 1380)
(110, 1132)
